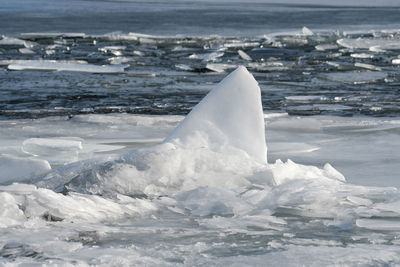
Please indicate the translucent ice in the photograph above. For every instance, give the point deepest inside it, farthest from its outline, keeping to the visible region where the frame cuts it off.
(13, 169)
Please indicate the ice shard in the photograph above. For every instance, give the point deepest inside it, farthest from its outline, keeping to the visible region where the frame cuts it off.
(230, 115)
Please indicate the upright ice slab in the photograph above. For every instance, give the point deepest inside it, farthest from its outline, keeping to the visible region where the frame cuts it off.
(230, 115)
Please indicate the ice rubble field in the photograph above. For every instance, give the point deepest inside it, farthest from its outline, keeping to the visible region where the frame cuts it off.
(156, 190)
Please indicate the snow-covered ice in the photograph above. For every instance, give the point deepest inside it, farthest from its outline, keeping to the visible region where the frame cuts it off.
(199, 191)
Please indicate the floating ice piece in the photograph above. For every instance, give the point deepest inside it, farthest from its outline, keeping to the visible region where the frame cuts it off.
(207, 57)
(15, 169)
(28, 61)
(118, 36)
(219, 67)
(112, 48)
(361, 55)
(50, 52)
(237, 44)
(270, 66)
(355, 77)
(26, 51)
(306, 31)
(368, 43)
(231, 114)
(63, 66)
(396, 61)
(15, 41)
(305, 98)
(324, 47)
(120, 60)
(244, 55)
(184, 67)
(367, 66)
(379, 224)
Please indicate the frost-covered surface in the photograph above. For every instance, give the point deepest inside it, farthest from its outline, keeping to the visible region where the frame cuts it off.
(135, 200)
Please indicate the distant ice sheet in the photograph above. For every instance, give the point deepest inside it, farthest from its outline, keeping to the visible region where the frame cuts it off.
(39, 35)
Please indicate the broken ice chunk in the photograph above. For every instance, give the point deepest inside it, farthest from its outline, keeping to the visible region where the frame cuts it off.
(361, 55)
(367, 66)
(376, 45)
(355, 77)
(26, 51)
(306, 31)
(220, 67)
(244, 55)
(324, 47)
(207, 57)
(396, 61)
(56, 151)
(15, 169)
(65, 66)
(15, 41)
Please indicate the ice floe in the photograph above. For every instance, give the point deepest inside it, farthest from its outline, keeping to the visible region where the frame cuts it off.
(244, 55)
(15, 41)
(15, 169)
(369, 43)
(65, 66)
(355, 77)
